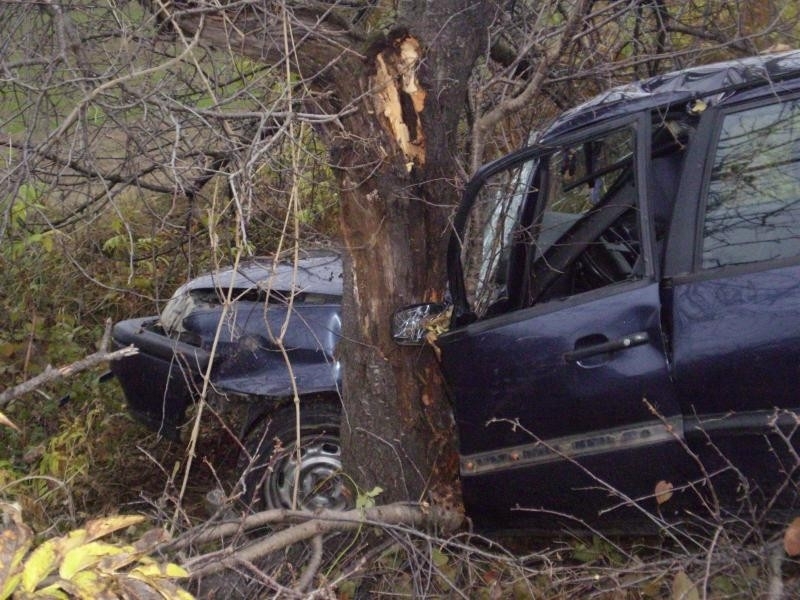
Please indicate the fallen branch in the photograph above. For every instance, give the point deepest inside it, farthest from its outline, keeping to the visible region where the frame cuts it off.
(314, 524)
(54, 373)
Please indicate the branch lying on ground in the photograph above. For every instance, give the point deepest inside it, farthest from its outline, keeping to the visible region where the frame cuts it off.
(314, 524)
(53, 373)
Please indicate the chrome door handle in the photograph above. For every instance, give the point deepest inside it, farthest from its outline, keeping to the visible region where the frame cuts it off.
(623, 343)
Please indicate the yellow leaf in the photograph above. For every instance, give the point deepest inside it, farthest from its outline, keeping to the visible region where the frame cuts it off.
(115, 562)
(15, 540)
(39, 564)
(54, 591)
(4, 420)
(75, 538)
(697, 107)
(663, 491)
(158, 570)
(683, 588)
(86, 556)
(10, 584)
(88, 584)
(176, 571)
(102, 527)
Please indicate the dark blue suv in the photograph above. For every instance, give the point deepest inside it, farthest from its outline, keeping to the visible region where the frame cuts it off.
(623, 343)
(248, 339)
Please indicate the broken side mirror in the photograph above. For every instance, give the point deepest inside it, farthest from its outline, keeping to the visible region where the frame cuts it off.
(412, 325)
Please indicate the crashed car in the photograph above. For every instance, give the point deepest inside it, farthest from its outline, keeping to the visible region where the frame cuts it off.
(624, 335)
(623, 341)
(259, 333)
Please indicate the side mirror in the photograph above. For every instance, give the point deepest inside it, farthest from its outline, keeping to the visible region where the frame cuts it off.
(411, 325)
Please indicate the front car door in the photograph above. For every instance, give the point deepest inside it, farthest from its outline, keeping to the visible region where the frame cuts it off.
(556, 363)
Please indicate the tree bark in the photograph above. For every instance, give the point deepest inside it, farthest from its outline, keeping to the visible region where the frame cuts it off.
(398, 431)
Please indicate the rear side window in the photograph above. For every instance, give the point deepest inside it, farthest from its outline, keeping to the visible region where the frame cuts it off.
(753, 204)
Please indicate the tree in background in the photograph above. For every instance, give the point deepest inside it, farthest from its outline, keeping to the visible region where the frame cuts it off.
(207, 113)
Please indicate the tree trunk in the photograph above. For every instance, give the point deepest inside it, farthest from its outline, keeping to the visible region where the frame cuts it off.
(398, 429)
(395, 159)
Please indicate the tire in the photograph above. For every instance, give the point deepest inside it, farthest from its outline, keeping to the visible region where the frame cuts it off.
(271, 472)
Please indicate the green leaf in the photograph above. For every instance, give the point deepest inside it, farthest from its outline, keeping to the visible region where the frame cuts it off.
(683, 588)
(439, 558)
(367, 499)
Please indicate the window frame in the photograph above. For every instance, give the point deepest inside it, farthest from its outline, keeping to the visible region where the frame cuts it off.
(641, 130)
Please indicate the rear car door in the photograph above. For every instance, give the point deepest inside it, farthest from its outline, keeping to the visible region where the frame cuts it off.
(563, 400)
(735, 267)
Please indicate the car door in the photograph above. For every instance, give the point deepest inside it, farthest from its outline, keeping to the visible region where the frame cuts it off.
(556, 364)
(735, 271)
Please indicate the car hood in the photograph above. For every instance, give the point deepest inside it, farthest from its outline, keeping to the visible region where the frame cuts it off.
(318, 273)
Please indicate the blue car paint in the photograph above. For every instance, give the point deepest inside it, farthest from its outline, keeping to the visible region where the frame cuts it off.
(707, 404)
(250, 355)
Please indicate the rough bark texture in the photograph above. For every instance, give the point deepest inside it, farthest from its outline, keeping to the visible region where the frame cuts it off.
(395, 160)
(399, 432)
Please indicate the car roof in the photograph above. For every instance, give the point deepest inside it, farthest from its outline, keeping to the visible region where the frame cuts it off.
(316, 272)
(679, 87)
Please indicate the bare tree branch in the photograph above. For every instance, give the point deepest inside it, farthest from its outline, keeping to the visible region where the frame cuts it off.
(487, 122)
(52, 374)
(312, 525)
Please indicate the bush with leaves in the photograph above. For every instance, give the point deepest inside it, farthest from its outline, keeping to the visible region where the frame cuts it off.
(84, 564)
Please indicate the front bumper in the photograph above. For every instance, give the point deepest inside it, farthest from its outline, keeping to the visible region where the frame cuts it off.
(160, 381)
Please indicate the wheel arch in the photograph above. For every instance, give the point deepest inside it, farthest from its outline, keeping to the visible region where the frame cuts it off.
(262, 409)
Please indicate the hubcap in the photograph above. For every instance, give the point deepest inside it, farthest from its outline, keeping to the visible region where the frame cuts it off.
(320, 484)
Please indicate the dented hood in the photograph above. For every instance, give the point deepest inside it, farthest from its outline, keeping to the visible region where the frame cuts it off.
(315, 272)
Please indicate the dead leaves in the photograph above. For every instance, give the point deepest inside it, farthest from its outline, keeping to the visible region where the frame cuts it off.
(81, 565)
(791, 538)
(15, 541)
(663, 491)
(683, 588)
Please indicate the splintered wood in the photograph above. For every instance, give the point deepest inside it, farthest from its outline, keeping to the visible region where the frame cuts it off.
(399, 98)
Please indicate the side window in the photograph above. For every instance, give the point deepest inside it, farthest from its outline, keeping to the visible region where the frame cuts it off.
(558, 223)
(753, 203)
(587, 233)
(492, 233)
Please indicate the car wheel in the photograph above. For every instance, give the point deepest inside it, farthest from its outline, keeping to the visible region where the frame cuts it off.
(274, 470)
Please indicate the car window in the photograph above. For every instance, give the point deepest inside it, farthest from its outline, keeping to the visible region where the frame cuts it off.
(587, 233)
(555, 224)
(491, 233)
(753, 201)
